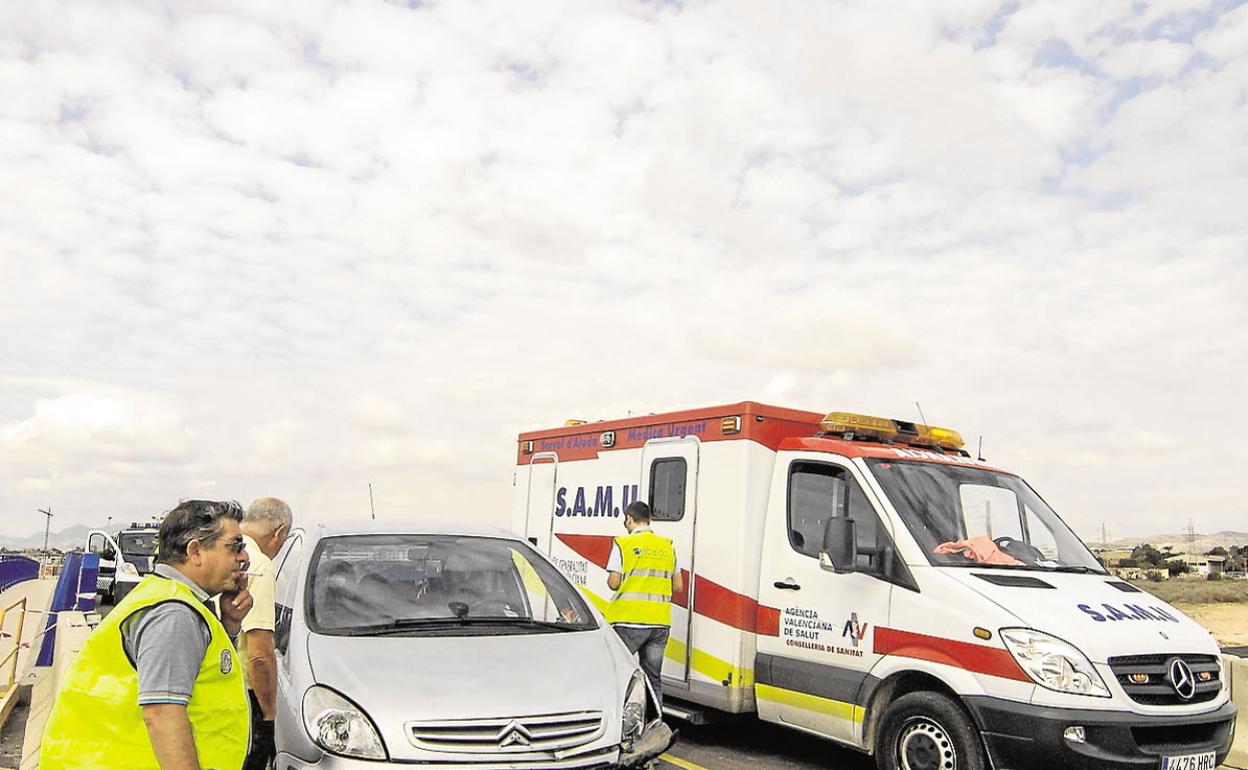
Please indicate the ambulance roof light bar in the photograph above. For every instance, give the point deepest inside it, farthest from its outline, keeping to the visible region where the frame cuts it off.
(860, 426)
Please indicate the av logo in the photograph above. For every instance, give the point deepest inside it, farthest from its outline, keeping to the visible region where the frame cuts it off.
(855, 630)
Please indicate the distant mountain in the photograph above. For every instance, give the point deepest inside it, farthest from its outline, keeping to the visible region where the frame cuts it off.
(65, 539)
(1178, 542)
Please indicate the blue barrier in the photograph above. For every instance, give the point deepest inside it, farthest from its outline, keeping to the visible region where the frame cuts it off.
(16, 569)
(75, 590)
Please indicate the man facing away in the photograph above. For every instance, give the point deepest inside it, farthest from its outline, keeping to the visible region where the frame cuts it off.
(643, 573)
(157, 684)
(265, 527)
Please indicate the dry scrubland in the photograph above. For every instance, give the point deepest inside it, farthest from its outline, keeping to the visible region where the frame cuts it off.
(1219, 605)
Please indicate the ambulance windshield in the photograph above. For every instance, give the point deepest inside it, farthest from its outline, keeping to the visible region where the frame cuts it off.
(973, 517)
(438, 585)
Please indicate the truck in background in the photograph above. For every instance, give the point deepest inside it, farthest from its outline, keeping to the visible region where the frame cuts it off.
(867, 580)
(124, 559)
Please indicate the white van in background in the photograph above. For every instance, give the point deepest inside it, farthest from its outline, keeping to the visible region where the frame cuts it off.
(867, 580)
(124, 559)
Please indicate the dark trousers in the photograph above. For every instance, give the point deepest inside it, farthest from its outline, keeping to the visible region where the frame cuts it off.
(648, 643)
(263, 750)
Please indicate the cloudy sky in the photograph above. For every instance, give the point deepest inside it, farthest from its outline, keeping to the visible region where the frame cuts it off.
(248, 252)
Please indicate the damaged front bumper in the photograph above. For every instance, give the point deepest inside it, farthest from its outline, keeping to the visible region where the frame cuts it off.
(655, 739)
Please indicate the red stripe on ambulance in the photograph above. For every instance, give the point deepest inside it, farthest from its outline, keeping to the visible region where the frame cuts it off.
(978, 658)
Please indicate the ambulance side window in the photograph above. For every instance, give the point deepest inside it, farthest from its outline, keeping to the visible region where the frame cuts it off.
(818, 491)
(287, 565)
(667, 488)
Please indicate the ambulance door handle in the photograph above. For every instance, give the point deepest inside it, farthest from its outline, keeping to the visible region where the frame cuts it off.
(788, 584)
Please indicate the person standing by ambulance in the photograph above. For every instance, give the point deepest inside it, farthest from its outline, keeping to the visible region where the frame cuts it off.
(642, 571)
(157, 685)
(265, 527)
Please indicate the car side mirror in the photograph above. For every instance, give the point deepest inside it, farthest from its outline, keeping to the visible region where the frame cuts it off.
(840, 549)
(108, 554)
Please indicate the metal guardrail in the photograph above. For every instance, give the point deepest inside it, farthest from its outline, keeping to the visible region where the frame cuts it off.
(10, 660)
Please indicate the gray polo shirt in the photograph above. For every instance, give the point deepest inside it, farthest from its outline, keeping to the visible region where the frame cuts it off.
(167, 643)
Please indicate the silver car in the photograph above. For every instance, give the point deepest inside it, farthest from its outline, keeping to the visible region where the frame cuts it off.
(449, 646)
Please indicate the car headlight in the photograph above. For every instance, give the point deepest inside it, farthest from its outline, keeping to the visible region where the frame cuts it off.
(129, 569)
(635, 707)
(340, 726)
(1054, 664)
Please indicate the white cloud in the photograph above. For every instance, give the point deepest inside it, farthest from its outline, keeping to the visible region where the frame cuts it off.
(261, 253)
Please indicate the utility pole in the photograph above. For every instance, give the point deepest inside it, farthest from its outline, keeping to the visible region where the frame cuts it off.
(47, 527)
(1104, 537)
(371, 509)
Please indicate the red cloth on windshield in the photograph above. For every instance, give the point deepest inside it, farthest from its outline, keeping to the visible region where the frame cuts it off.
(980, 548)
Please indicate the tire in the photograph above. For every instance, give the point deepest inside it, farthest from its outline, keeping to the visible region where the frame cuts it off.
(928, 731)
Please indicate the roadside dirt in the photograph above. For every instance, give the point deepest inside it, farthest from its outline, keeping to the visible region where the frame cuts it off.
(1227, 622)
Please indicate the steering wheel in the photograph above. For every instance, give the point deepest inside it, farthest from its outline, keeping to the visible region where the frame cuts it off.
(1012, 546)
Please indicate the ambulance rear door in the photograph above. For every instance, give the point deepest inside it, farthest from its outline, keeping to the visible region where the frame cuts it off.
(539, 520)
(669, 483)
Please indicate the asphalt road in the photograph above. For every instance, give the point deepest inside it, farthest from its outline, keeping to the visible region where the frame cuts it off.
(747, 744)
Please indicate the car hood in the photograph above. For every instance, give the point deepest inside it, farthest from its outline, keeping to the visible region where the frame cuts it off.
(1093, 612)
(396, 680)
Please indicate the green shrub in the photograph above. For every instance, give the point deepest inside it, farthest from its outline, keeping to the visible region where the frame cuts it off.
(1191, 590)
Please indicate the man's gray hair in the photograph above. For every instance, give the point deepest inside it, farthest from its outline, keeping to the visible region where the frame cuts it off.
(269, 513)
(193, 520)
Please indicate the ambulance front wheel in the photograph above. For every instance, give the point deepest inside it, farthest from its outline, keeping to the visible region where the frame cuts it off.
(928, 731)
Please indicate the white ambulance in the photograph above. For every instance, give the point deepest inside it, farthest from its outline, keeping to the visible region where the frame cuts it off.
(867, 580)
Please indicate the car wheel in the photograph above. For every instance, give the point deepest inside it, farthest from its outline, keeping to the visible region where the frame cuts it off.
(928, 731)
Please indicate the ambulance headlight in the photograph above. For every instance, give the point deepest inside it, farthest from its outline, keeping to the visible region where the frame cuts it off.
(339, 726)
(129, 569)
(634, 707)
(1053, 663)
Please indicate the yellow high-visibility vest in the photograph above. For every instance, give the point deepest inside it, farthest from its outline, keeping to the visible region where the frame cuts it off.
(97, 722)
(645, 592)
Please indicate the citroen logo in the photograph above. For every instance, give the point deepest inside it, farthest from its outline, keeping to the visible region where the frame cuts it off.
(514, 734)
(1181, 679)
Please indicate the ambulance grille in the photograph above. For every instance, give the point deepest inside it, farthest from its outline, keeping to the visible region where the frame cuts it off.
(1158, 690)
(509, 735)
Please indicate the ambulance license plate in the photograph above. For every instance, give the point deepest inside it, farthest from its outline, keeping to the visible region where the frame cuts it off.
(1206, 760)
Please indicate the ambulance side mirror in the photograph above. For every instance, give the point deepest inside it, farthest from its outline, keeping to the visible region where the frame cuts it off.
(840, 547)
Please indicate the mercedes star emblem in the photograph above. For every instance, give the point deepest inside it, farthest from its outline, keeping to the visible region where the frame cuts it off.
(1181, 678)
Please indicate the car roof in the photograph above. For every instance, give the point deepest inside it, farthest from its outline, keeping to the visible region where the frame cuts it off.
(405, 526)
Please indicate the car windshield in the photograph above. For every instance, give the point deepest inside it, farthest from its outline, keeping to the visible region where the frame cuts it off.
(438, 584)
(975, 517)
(138, 543)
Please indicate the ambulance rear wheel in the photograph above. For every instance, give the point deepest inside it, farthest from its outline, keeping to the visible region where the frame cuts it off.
(928, 731)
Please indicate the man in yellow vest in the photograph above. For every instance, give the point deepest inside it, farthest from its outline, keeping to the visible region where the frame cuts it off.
(158, 685)
(642, 571)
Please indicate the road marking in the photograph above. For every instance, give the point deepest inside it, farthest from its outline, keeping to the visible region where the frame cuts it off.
(686, 764)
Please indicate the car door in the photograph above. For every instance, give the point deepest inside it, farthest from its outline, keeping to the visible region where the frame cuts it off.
(289, 570)
(99, 543)
(811, 674)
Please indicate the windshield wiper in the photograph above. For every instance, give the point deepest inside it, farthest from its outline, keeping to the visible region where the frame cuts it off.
(1079, 568)
(400, 625)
